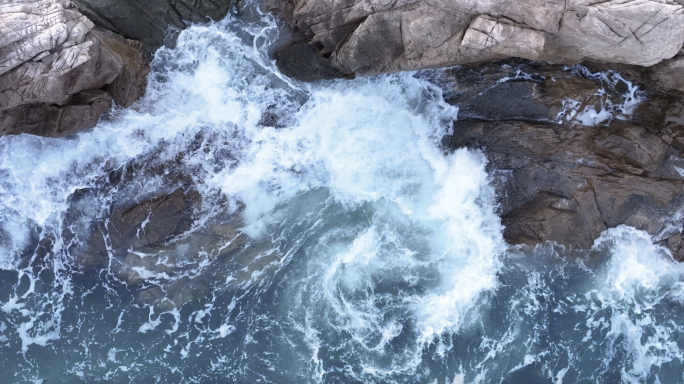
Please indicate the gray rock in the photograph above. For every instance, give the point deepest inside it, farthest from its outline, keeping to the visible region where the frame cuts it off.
(151, 22)
(31, 30)
(367, 37)
(301, 61)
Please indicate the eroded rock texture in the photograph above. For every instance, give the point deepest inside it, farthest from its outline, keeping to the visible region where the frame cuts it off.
(368, 37)
(558, 178)
(151, 22)
(59, 73)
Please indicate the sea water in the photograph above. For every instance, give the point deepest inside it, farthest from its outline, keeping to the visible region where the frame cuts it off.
(368, 252)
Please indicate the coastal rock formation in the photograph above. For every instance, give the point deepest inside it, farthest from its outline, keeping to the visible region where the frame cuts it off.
(669, 75)
(58, 73)
(367, 37)
(151, 22)
(573, 152)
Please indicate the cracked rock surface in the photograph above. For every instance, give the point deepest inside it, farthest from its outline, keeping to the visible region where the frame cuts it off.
(559, 179)
(58, 72)
(367, 37)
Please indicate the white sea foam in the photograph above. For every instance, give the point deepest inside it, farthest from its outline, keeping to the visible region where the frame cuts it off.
(639, 279)
(608, 110)
(636, 264)
(382, 246)
(369, 141)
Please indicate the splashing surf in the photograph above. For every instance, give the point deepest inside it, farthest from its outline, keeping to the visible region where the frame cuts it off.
(357, 250)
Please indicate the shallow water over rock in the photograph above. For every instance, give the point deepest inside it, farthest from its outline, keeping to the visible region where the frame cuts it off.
(325, 236)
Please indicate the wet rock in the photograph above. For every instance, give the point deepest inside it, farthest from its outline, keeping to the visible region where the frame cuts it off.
(523, 91)
(302, 61)
(561, 180)
(676, 245)
(367, 37)
(152, 22)
(58, 73)
(152, 222)
(506, 101)
(157, 246)
(136, 229)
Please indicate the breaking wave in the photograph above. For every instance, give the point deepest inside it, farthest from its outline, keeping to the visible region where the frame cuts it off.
(335, 241)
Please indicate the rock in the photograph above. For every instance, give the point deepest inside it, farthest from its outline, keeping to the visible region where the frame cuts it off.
(131, 228)
(31, 29)
(522, 92)
(676, 245)
(557, 178)
(159, 247)
(506, 101)
(669, 74)
(152, 222)
(131, 81)
(43, 119)
(58, 73)
(301, 61)
(367, 37)
(503, 37)
(151, 22)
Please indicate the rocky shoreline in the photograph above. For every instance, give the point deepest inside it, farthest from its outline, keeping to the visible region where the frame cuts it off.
(573, 150)
(58, 72)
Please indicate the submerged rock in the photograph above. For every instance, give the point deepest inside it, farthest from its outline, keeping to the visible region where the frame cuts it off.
(564, 172)
(143, 227)
(167, 248)
(58, 73)
(368, 37)
(152, 222)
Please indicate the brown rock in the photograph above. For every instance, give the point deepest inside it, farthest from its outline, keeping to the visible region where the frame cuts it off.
(669, 74)
(140, 228)
(54, 120)
(559, 180)
(676, 245)
(57, 69)
(130, 83)
(152, 222)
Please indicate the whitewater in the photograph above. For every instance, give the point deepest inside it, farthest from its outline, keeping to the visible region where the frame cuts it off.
(337, 242)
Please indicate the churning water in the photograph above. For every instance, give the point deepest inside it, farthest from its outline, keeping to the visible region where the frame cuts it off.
(356, 249)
